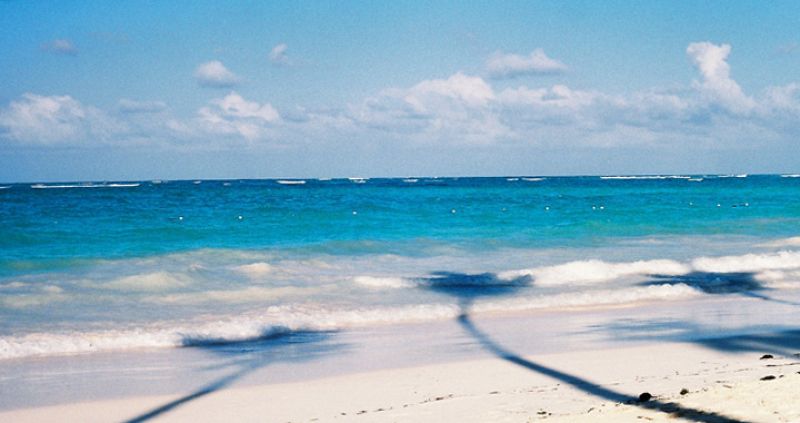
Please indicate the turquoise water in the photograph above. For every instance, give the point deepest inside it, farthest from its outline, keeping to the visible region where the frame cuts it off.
(156, 259)
(43, 228)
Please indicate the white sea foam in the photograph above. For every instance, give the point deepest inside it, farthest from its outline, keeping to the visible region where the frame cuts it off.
(235, 296)
(533, 179)
(253, 270)
(793, 175)
(228, 329)
(13, 285)
(5, 187)
(411, 180)
(36, 296)
(748, 263)
(634, 177)
(594, 271)
(305, 317)
(383, 282)
(291, 181)
(584, 283)
(584, 272)
(781, 243)
(147, 282)
(592, 298)
(86, 185)
(133, 185)
(780, 279)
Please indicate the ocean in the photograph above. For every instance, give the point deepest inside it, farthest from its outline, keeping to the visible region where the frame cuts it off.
(108, 267)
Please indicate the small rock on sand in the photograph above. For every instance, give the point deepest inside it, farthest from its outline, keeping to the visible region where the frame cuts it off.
(645, 396)
(766, 357)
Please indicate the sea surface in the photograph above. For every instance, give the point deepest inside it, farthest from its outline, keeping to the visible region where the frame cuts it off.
(105, 267)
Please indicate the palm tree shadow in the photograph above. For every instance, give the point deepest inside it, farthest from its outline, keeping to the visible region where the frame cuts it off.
(783, 342)
(247, 356)
(719, 283)
(466, 288)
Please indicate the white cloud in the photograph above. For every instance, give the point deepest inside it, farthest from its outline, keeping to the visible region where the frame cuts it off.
(470, 91)
(278, 55)
(501, 65)
(214, 74)
(233, 115)
(60, 46)
(717, 84)
(459, 110)
(454, 109)
(713, 111)
(37, 119)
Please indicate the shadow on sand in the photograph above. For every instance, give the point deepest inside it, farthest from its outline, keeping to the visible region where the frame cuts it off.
(781, 342)
(247, 356)
(466, 288)
(716, 283)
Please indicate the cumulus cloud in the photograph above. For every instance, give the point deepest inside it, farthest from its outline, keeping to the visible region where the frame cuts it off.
(501, 65)
(461, 109)
(214, 74)
(278, 55)
(445, 109)
(467, 108)
(716, 83)
(37, 119)
(60, 46)
(233, 115)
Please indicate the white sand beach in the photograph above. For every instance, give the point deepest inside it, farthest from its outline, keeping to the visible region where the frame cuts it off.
(717, 386)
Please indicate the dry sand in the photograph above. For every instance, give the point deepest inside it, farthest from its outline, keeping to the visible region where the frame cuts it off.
(577, 386)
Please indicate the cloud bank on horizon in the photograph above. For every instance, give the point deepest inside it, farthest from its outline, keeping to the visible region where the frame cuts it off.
(459, 109)
(299, 97)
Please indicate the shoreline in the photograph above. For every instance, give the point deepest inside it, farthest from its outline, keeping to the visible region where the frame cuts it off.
(566, 386)
(717, 323)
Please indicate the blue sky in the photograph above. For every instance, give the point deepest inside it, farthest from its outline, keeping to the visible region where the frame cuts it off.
(138, 90)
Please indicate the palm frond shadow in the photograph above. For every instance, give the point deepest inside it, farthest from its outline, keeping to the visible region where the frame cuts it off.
(466, 288)
(720, 283)
(247, 356)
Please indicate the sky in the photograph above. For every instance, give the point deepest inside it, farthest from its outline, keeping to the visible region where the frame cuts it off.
(98, 90)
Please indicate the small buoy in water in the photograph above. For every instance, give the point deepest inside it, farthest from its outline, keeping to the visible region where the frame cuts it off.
(547, 207)
(453, 211)
(594, 208)
(240, 217)
(355, 212)
(719, 205)
(691, 203)
(602, 207)
(747, 204)
(180, 217)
